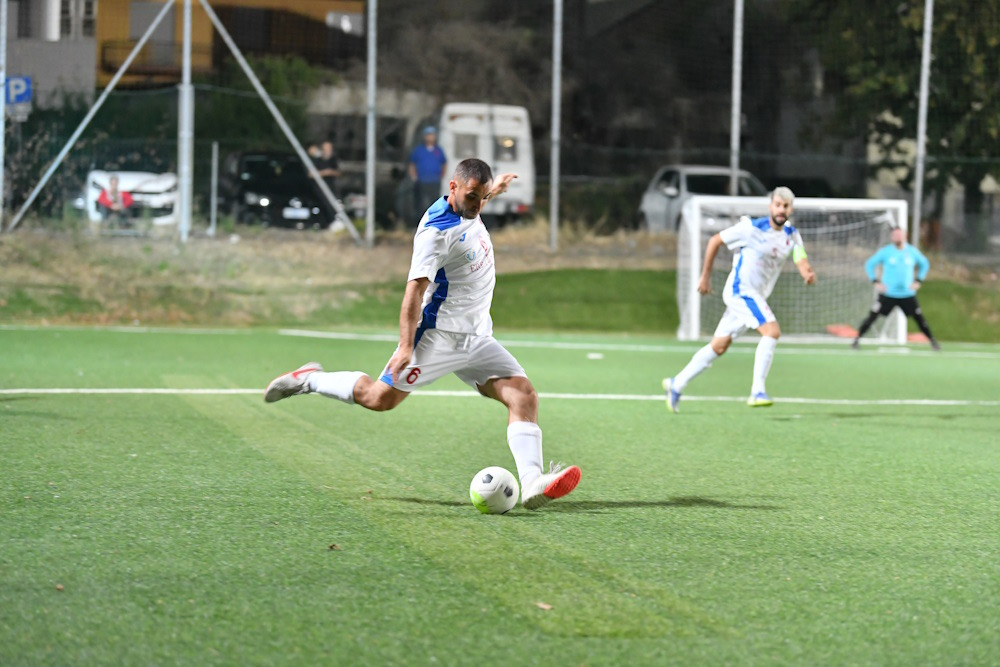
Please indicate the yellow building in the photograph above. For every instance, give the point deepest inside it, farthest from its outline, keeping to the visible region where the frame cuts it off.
(324, 32)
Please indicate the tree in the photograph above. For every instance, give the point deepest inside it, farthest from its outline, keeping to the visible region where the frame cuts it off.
(873, 52)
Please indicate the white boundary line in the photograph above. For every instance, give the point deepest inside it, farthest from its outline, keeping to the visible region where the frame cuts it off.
(544, 395)
(833, 347)
(741, 347)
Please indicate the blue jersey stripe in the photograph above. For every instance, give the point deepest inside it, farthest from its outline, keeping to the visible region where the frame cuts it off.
(429, 320)
(736, 275)
(752, 305)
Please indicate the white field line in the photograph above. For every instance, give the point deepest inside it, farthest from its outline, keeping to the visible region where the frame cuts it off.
(952, 351)
(544, 395)
(741, 347)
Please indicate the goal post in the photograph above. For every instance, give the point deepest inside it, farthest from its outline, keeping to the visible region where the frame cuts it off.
(838, 234)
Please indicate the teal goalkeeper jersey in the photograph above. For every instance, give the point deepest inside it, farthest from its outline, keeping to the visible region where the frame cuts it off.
(899, 267)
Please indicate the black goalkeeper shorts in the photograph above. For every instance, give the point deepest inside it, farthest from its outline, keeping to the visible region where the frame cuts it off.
(885, 304)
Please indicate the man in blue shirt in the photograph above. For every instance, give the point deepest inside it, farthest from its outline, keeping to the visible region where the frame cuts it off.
(903, 270)
(427, 167)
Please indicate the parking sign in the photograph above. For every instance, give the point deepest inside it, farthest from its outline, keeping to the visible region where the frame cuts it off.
(18, 89)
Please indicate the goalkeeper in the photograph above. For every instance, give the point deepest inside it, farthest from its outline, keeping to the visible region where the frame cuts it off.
(760, 248)
(903, 270)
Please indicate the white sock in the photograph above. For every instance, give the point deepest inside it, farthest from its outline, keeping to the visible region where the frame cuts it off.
(525, 442)
(762, 363)
(701, 360)
(338, 385)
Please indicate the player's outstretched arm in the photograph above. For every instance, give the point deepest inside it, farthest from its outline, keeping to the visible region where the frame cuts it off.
(705, 282)
(409, 315)
(806, 271)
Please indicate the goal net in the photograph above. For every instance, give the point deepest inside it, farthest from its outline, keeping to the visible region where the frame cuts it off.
(839, 235)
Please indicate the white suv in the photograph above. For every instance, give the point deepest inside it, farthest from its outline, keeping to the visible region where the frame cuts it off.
(674, 184)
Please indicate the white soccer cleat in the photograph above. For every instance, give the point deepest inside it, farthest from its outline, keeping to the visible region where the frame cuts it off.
(554, 484)
(673, 396)
(760, 400)
(292, 383)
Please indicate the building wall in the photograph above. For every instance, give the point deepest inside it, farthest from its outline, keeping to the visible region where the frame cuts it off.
(117, 31)
(57, 67)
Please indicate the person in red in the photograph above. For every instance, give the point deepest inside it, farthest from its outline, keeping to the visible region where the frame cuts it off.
(114, 202)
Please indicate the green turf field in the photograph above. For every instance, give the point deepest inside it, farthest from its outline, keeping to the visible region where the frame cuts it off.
(855, 522)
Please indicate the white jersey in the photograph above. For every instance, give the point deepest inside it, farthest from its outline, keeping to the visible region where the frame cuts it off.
(759, 251)
(456, 255)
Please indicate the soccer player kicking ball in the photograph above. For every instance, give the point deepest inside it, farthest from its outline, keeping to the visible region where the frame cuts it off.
(445, 327)
(760, 247)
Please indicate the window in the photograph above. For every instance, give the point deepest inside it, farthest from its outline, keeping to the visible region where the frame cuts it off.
(505, 148)
(88, 19)
(77, 18)
(66, 13)
(466, 146)
(23, 19)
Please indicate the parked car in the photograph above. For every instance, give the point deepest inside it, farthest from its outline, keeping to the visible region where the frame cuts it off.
(153, 195)
(271, 188)
(660, 209)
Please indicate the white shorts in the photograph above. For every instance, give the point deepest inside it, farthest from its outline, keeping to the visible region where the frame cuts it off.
(743, 312)
(474, 359)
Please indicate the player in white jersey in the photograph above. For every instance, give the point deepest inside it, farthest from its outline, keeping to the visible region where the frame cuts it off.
(760, 247)
(445, 327)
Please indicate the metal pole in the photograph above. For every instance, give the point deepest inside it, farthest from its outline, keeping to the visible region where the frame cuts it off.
(557, 35)
(296, 145)
(214, 205)
(185, 131)
(370, 133)
(90, 114)
(734, 121)
(3, 102)
(925, 76)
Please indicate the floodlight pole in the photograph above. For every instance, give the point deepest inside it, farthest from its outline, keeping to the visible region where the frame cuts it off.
(925, 76)
(557, 38)
(90, 114)
(185, 133)
(341, 214)
(370, 135)
(737, 100)
(3, 102)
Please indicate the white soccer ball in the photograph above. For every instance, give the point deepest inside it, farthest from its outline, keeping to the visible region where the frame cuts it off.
(494, 490)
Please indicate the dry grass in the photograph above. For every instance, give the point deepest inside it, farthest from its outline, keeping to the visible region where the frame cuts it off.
(257, 275)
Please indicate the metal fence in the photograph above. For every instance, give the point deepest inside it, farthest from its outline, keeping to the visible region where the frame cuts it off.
(828, 100)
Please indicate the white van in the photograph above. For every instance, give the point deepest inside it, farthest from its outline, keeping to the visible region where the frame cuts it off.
(498, 134)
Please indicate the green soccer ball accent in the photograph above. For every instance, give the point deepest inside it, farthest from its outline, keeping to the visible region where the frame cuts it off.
(494, 490)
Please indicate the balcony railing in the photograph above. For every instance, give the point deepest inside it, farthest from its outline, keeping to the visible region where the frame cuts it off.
(155, 58)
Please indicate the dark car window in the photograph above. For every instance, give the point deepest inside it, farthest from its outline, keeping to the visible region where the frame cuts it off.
(268, 169)
(668, 180)
(708, 184)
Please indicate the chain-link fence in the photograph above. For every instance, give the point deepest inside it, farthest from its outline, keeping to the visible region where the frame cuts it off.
(829, 102)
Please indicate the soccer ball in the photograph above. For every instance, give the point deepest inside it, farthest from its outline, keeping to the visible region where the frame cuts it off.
(494, 490)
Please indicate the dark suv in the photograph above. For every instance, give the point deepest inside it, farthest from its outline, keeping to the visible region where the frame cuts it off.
(271, 188)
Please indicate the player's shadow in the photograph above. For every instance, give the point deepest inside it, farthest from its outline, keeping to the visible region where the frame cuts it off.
(679, 502)
(599, 505)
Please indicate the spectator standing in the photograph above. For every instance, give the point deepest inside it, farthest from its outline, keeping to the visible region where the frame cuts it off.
(327, 165)
(428, 165)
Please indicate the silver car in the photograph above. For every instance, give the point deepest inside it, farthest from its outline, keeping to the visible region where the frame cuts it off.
(674, 184)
